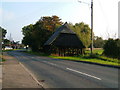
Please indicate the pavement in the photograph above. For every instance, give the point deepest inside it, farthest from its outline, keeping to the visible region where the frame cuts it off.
(15, 75)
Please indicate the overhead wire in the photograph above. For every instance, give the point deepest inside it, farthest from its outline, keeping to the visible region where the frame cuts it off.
(105, 18)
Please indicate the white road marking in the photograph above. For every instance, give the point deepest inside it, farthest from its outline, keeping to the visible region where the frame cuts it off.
(50, 63)
(74, 71)
(31, 75)
(83, 73)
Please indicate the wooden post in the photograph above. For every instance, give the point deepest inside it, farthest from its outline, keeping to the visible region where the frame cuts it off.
(59, 51)
(64, 51)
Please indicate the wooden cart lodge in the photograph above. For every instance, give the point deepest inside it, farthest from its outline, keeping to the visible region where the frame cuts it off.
(64, 42)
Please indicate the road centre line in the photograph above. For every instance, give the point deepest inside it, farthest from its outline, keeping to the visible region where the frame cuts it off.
(83, 73)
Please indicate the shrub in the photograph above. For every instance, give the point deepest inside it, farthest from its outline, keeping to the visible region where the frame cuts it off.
(112, 48)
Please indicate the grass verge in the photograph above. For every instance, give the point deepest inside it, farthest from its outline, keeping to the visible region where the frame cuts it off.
(2, 59)
(95, 58)
(10, 50)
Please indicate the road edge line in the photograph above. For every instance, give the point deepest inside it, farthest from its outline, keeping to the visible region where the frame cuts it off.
(31, 75)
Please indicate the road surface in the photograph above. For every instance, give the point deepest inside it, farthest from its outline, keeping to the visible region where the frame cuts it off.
(55, 73)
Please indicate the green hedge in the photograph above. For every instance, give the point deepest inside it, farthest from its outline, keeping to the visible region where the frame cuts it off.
(112, 48)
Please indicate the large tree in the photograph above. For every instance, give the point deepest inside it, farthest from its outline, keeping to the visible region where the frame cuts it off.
(50, 23)
(27, 32)
(36, 35)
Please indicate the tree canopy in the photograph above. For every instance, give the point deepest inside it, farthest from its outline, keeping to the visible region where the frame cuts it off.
(36, 35)
(3, 32)
(3, 40)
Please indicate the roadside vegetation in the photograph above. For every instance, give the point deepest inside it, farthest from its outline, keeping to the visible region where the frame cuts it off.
(1, 58)
(105, 52)
(10, 50)
(97, 57)
(35, 35)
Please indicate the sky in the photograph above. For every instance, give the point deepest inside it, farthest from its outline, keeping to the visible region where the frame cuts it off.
(15, 14)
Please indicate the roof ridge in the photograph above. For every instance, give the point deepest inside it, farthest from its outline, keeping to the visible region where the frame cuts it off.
(61, 29)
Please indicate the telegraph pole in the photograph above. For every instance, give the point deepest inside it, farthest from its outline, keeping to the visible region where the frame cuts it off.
(91, 27)
(91, 45)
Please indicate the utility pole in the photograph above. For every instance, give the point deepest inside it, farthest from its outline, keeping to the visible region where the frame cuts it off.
(91, 26)
(91, 45)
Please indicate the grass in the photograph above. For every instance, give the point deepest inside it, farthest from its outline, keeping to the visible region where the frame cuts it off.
(94, 60)
(97, 57)
(9, 50)
(1, 56)
(95, 51)
(2, 59)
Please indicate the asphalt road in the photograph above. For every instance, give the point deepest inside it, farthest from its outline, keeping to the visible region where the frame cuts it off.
(55, 73)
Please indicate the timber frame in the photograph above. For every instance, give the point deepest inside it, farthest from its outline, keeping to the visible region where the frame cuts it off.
(64, 42)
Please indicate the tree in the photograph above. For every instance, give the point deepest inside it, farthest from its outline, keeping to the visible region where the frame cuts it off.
(83, 32)
(27, 32)
(36, 35)
(6, 42)
(98, 42)
(50, 23)
(3, 32)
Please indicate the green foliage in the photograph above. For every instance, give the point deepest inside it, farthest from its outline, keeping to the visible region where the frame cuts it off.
(6, 43)
(95, 59)
(3, 32)
(112, 48)
(98, 42)
(36, 35)
(2, 36)
(83, 32)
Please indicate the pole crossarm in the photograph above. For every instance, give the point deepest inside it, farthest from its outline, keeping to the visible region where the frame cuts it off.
(83, 2)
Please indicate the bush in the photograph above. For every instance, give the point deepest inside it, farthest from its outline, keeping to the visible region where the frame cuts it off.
(112, 48)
